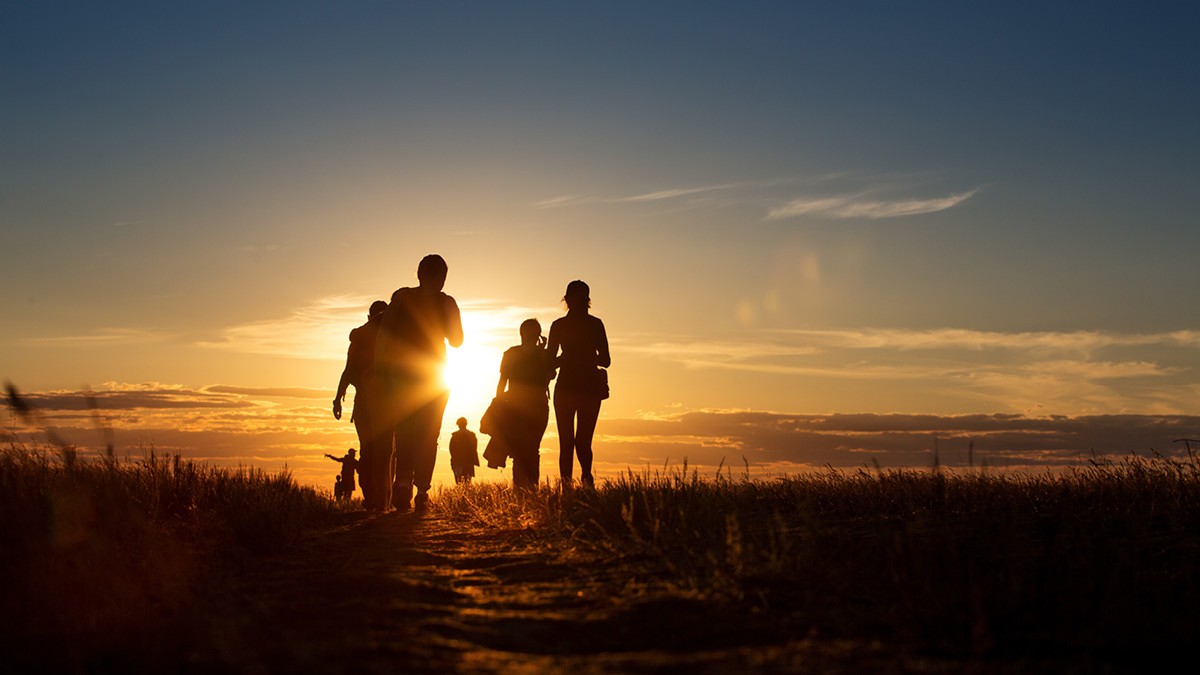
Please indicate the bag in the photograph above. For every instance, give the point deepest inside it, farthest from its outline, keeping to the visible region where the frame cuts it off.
(496, 453)
(602, 383)
(492, 418)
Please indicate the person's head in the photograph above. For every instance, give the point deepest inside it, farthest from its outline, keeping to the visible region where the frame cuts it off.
(431, 272)
(531, 330)
(461, 422)
(339, 478)
(377, 309)
(578, 295)
(351, 452)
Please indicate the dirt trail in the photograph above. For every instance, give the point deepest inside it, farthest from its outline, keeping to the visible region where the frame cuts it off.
(402, 593)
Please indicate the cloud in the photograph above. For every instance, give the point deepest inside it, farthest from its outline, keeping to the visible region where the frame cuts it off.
(854, 196)
(677, 192)
(240, 429)
(658, 195)
(132, 397)
(318, 330)
(855, 440)
(100, 338)
(857, 206)
(1072, 371)
(269, 392)
(751, 347)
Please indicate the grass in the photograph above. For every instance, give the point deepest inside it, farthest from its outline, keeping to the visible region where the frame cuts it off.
(1102, 562)
(93, 548)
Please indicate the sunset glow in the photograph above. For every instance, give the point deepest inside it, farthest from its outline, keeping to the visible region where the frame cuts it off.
(817, 235)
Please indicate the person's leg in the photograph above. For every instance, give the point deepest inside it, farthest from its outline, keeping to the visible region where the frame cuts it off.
(366, 446)
(428, 426)
(381, 421)
(589, 412)
(518, 467)
(402, 460)
(564, 418)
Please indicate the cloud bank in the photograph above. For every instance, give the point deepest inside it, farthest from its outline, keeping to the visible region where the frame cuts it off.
(214, 424)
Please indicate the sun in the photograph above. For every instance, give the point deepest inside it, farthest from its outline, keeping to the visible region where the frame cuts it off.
(471, 370)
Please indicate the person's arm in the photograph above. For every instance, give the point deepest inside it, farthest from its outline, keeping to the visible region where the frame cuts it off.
(336, 459)
(343, 385)
(547, 360)
(454, 331)
(552, 346)
(604, 359)
(500, 385)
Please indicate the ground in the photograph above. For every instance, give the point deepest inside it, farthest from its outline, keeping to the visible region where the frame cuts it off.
(417, 593)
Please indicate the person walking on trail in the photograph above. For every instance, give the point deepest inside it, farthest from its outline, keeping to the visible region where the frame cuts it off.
(360, 372)
(409, 355)
(525, 374)
(464, 452)
(349, 466)
(579, 348)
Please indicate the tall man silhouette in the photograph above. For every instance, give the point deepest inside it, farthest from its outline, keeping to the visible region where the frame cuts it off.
(409, 355)
(375, 462)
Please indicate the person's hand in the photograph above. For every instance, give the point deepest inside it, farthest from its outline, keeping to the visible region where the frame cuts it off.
(337, 408)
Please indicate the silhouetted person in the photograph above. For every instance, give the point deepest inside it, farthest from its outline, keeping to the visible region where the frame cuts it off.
(464, 452)
(409, 356)
(349, 466)
(581, 382)
(339, 492)
(526, 371)
(360, 372)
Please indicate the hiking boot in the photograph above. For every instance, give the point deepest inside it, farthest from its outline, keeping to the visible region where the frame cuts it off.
(421, 503)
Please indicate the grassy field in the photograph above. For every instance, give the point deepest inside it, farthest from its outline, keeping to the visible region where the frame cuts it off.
(1097, 567)
(1102, 563)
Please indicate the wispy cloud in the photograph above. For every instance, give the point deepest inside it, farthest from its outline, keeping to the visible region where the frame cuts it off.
(854, 196)
(269, 392)
(1072, 371)
(317, 330)
(857, 206)
(99, 338)
(320, 329)
(658, 195)
(677, 192)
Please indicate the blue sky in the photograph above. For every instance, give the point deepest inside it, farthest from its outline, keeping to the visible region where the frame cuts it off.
(785, 207)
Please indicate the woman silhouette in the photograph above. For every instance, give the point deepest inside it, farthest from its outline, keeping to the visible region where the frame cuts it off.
(581, 384)
(527, 372)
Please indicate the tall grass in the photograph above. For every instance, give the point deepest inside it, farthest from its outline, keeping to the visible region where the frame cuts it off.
(1103, 558)
(93, 550)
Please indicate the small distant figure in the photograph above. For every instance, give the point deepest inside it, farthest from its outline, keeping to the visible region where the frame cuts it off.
(346, 478)
(582, 379)
(525, 374)
(464, 452)
(339, 488)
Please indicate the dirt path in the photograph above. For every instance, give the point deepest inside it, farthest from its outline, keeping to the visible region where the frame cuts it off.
(402, 593)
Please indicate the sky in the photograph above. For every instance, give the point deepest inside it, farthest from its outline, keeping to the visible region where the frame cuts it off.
(819, 234)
